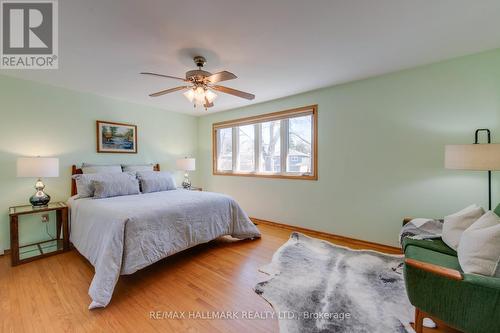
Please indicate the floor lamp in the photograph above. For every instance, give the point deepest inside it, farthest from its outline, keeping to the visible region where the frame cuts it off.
(477, 157)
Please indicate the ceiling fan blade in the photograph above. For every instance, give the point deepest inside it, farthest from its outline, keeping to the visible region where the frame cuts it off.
(234, 92)
(161, 75)
(166, 91)
(221, 76)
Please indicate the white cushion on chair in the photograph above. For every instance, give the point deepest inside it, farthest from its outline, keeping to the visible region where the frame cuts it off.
(479, 248)
(455, 224)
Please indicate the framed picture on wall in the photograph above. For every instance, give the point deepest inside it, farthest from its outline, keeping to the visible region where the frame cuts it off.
(116, 137)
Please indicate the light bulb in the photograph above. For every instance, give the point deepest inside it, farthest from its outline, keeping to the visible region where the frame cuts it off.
(210, 96)
(189, 95)
(199, 96)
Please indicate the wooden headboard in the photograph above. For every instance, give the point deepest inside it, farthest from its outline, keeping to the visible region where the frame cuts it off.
(78, 171)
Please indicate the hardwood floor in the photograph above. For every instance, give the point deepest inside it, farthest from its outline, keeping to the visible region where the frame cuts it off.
(50, 295)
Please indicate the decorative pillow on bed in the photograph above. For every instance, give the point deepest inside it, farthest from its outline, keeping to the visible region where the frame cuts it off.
(138, 167)
(156, 181)
(455, 224)
(85, 188)
(96, 168)
(479, 248)
(115, 188)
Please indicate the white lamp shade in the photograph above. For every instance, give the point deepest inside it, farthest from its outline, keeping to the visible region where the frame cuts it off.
(37, 167)
(189, 95)
(479, 157)
(210, 96)
(186, 164)
(200, 96)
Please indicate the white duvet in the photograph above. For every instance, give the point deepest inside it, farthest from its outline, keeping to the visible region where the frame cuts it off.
(121, 235)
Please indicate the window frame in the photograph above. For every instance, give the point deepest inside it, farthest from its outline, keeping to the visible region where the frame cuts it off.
(280, 115)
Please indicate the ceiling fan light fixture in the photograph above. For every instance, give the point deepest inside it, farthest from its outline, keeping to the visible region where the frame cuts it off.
(199, 96)
(210, 96)
(196, 95)
(189, 95)
(200, 85)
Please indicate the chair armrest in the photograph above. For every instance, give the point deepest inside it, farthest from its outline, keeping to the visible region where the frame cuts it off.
(492, 283)
(448, 273)
(406, 220)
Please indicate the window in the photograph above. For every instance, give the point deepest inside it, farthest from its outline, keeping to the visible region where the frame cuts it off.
(299, 144)
(270, 146)
(225, 156)
(246, 148)
(281, 145)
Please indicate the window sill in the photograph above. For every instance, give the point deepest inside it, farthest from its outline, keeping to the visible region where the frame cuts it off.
(264, 175)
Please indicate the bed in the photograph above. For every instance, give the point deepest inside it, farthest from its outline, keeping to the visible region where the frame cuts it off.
(121, 235)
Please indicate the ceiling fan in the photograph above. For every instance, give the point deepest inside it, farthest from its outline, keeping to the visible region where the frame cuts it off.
(200, 83)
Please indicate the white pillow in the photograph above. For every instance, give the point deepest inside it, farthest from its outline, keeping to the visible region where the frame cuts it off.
(97, 165)
(138, 167)
(84, 182)
(155, 181)
(479, 249)
(115, 188)
(86, 169)
(455, 224)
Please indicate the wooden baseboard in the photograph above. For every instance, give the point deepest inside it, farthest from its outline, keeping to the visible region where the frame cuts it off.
(312, 232)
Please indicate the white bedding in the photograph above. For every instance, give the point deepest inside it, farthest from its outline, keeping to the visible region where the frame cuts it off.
(121, 235)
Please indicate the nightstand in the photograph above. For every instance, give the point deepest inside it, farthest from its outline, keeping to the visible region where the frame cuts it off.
(26, 253)
(192, 188)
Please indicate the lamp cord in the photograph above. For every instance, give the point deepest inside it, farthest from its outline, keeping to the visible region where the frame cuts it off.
(476, 141)
(476, 135)
(47, 231)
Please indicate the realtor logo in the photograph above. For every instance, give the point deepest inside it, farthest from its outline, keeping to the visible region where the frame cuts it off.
(29, 34)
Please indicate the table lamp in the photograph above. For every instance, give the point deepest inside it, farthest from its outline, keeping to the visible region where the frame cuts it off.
(477, 157)
(38, 167)
(186, 165)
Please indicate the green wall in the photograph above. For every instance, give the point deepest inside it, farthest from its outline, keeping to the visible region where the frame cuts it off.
(381, 146)
(37, 119)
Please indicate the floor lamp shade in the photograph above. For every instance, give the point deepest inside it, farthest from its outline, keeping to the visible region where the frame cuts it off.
(480, 157)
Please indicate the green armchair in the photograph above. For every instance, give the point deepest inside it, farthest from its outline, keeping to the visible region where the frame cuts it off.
(437, 287)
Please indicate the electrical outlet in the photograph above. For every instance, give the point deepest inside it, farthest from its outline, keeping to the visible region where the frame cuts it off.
(45, 218)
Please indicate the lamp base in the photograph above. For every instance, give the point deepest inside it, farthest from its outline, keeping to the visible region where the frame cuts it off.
(40, 199)
(186, 184)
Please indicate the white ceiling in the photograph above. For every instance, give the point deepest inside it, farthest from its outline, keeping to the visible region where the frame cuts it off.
(276, 48)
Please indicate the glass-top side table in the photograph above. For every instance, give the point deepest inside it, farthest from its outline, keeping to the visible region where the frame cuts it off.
(26, 253)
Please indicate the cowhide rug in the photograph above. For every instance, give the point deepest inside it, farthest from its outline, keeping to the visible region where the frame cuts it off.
(316, 286)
